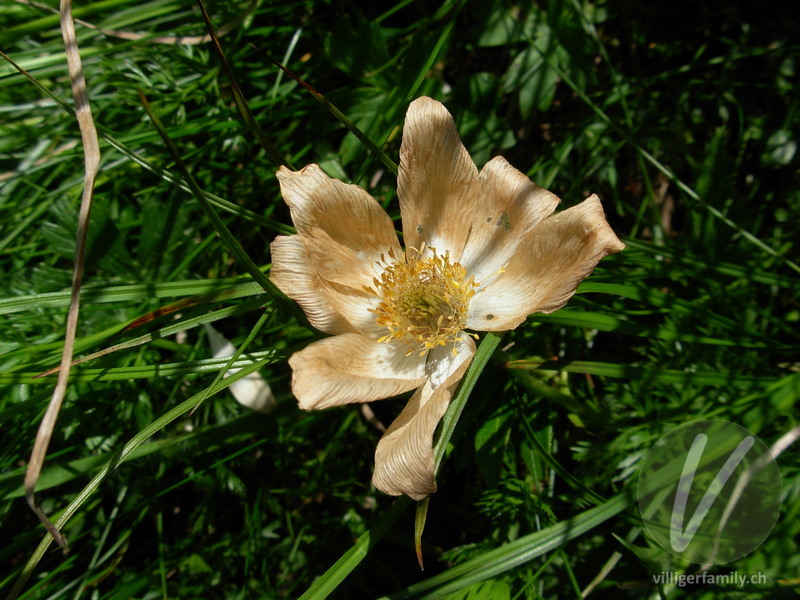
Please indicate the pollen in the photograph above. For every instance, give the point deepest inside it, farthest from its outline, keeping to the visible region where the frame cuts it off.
(424, 299)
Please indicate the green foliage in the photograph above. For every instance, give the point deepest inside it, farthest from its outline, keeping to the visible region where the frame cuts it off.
(683, 118)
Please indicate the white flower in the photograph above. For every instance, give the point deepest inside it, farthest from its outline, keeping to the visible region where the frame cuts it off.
(483, 251)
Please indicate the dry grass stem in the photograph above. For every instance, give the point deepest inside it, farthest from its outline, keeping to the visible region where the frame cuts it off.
(91, 153)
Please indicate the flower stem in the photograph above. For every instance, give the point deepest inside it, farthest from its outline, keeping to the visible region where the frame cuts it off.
(485, 350)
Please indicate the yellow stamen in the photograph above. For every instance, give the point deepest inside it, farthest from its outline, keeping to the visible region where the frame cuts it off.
(424, 300)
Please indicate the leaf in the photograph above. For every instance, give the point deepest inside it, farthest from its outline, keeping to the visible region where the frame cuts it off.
(484, 590)
(644, 372)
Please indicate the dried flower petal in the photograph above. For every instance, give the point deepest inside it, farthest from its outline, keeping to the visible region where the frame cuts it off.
(553, 259)
(404, 457)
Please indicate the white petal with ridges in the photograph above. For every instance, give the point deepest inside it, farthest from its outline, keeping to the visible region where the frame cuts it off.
(437, 181)
(404, 462)
(351, 368)
(344, 229)
(509, 206)
(292, 272)
(553, 259)
(354, 305)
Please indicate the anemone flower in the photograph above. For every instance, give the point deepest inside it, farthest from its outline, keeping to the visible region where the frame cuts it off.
(483, 250)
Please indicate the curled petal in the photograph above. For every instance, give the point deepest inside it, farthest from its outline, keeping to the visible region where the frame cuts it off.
(404, 457)
(437, 181)
(344, 229)
(351, 368)
(509, 206)
(293, 274)
(544, 273)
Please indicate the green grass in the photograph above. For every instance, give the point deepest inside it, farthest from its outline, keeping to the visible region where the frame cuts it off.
(684, 119)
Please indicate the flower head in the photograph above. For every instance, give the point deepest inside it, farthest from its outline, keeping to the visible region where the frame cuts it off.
(483, 251)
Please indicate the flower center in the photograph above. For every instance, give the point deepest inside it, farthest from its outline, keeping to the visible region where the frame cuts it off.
(424, 300)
